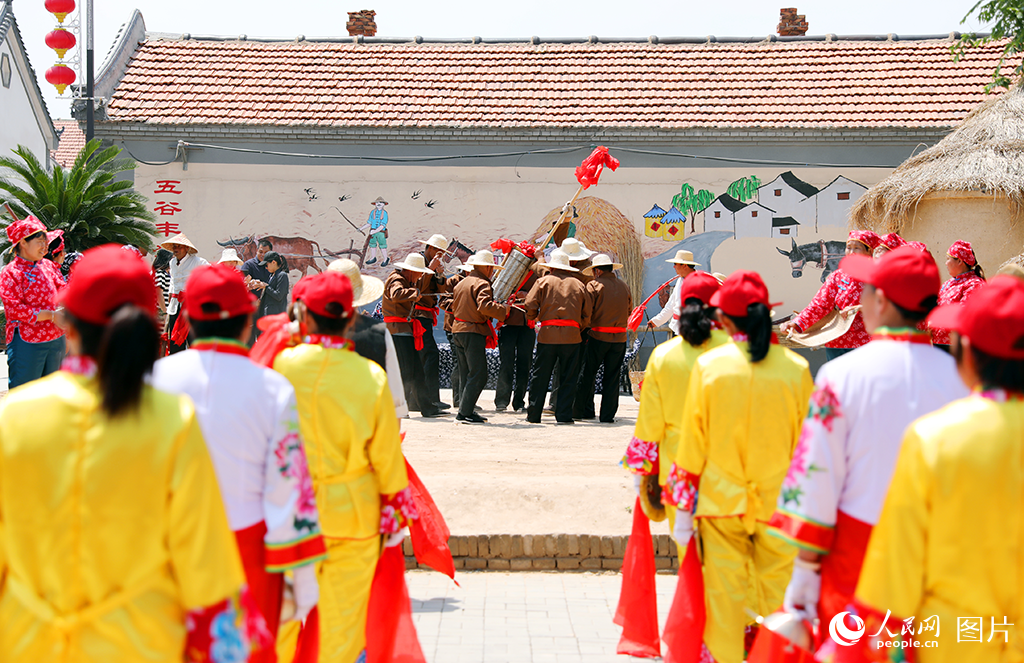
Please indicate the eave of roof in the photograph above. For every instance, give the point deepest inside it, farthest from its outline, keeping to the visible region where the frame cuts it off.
(803, 187)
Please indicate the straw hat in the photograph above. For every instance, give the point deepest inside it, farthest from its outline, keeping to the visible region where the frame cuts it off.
(575, 249)
(436, 241)
(365, 289)
(601, 260)
(414, 263)
(482, 258)
(379, 200)
(559, 260)
(230, 256)
(684, 257)
(465, 268)
(720, 276)
(181, 240)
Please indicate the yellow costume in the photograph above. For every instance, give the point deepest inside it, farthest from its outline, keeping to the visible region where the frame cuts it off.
(662, 397)
(950, 541)
(740, 426)
(110, 529)
(347, 420)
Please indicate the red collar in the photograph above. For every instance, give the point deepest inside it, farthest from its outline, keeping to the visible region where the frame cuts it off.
(225, 345)
(79, 365)
(905, 334)
(330, 342)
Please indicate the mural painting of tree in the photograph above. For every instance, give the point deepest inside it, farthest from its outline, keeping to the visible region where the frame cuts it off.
(692, 203)
(744, 189)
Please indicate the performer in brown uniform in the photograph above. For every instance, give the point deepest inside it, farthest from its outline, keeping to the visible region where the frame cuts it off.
(579, 257)
(425, 315)
(400, 296)
(612, 304)
(516, 339)
(559, 302)
(446, 306)
(472, 309)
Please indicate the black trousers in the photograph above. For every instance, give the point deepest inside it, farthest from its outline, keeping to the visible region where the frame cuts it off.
(515, 352)
(429, 359)
(174, 348)
(456, 376)
(597, 354)
(543, 366)
(472, 353)
(412, 375)
(574, 370)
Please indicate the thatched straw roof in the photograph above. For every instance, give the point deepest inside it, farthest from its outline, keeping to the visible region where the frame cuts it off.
(984, 154)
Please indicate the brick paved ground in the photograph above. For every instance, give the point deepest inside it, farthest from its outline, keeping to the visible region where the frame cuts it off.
(521, 617)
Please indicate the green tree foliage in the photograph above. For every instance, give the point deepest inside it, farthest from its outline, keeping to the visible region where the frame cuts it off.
(85, 201)
(744, 189)
(1007, 19)
(692, 202)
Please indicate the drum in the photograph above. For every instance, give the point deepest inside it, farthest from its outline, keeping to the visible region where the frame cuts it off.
(517, 265)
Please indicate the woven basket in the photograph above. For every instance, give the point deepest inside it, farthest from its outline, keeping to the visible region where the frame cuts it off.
(635, 378)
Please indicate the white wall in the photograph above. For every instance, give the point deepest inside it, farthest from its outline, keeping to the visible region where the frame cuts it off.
(18, 124)
(790, 202)
(833, 213)
(724, 222)
(748, 225)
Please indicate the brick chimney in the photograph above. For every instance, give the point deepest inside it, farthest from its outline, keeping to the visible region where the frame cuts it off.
(791, 24)
(361, 23)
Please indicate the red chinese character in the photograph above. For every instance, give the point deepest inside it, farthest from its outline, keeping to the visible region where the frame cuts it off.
(168, 228)
(167, 209)
(167, 186)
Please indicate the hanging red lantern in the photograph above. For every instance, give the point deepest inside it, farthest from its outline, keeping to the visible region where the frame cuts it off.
(60, 76)
(60, 8)
(61, 41)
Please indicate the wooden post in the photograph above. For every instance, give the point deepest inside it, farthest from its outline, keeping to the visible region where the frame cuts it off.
(565, 211)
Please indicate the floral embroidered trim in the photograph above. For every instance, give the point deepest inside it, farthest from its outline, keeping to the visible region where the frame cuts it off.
(330, 342)
(681, 489)
(226, 631)
(905, 334)
(291, 462)
(641, 457)
(824, 406)
(225, 345)
(802, 532)
(79, 365)
(280, 557)
(396, 511)
(999, 395)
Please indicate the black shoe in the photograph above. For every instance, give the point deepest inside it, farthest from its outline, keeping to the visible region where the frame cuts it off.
(442, 406)
(581, 418)
(607, 421)
(565, 423)
(433, 414)
(500, 408)
(471, 419)
(371, 261)
(386, 263)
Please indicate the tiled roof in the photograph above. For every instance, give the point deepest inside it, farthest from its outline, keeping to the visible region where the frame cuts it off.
(804, 84)
(731, 203)
(72, 140)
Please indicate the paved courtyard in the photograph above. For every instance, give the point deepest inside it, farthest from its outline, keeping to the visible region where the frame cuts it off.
(521, 617)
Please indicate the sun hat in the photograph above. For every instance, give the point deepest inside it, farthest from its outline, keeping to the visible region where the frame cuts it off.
(482, 258)
(992, 318)
(229, 255)
(107, 278)
(436, 241)
(181, 240)
(365, 289)
(601, 260)
(907, 276)
(219, 284)
(414, 263)
(22, 228)
(699, 285)
(684, 257)
(738, 292)
(866, 237)
(559, 260)
(379, 200)
(326, 287)
(720, 276)
(575, 249)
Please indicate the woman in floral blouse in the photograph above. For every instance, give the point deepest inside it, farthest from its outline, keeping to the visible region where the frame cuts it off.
(966, 277)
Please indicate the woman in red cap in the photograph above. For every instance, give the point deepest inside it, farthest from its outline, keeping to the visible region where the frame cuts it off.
(966, 277)
(838, 292)
(28, 288)
(112, 522)
(741, 421)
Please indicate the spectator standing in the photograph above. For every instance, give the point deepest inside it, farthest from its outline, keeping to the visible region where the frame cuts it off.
(230, 258)
(255, 269)
(966, 276)
(186, 258)
(684, 265)
(274, 297)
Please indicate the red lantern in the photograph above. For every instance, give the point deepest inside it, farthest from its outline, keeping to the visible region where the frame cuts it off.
(61, 41)
(60, 76)
(60, 8)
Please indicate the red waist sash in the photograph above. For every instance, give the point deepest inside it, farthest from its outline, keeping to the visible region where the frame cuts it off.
(492, 336)
(609, 330)
(559, 323)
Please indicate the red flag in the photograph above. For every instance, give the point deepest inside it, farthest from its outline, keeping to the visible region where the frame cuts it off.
(684, 628)
(590, 170)
(429, 532)
(390, 633)
(307, 649)
(637, 612)
(504, 245)
(181, 329)
(637, 316)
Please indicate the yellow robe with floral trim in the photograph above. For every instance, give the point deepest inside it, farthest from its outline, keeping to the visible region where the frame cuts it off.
(110, 529)
(950, 541)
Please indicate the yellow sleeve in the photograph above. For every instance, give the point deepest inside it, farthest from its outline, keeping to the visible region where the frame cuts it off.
(385, 448)
(650, 420)
(203, 550)
(803, 405)
(893, 574)
(3, 557)
(693, 440)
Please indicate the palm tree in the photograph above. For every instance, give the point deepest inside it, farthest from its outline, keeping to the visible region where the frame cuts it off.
(85, 201)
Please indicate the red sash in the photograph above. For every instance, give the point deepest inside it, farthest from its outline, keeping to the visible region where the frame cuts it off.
(432, 311)
(492, 336)
(181, 326)
(840, 568)
(266, 588)
(609, 330)
(559, 323)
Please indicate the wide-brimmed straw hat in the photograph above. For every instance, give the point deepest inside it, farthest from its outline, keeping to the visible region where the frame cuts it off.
(684, 257)
(365, 289)
(436, 241)
(601, 260)
(414, 263)
(229, 255)
(181, 240)
(575, 249)
(482, 258)
(380, 199)
(559, 260)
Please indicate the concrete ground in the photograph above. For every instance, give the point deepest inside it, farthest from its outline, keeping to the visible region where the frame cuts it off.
(521, 617)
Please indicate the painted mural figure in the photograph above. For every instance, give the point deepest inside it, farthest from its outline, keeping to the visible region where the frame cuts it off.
(377, 224)
(826, 254)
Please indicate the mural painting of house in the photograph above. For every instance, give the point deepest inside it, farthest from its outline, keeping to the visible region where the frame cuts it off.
(719, 214)
(652, 222)
(753, 220)
(784, 226)
(833, 203)
(790, 196)
(673, 225)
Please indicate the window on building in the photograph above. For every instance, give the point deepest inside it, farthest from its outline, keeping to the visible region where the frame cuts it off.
(5, 70)
(783, 231)
(844, 195)
(718, 215)
(778, 192)
(753, 214)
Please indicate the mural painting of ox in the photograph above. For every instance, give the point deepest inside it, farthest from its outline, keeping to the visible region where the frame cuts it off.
(826, 254)
(298, 251)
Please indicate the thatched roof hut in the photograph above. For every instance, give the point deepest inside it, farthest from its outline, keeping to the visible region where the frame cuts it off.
(970, 183)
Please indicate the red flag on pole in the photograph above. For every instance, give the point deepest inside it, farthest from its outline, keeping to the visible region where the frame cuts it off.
(390, 633)
(429, 532)
(637, 612)
(637, 316)
(590, 170)
(684, 628)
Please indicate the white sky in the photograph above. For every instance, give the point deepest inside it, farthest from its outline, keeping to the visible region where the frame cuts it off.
(468, 18)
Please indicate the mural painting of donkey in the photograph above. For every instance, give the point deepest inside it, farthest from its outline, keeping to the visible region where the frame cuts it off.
(826, 254)
(298, 251)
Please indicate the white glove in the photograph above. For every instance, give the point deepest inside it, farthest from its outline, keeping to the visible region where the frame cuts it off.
(396, 538)
(638, 480)
(307, 590)
(683, 530)
(802, 594)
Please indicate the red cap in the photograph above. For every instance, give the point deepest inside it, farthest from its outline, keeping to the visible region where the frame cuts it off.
(299, 288)
(106, 278)
(867, 238)
(963, 252)
(993, 318)
(326, 287)
(739, 291)
(22, 228)
(906, 276)
(218, 284)
(699, 285)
